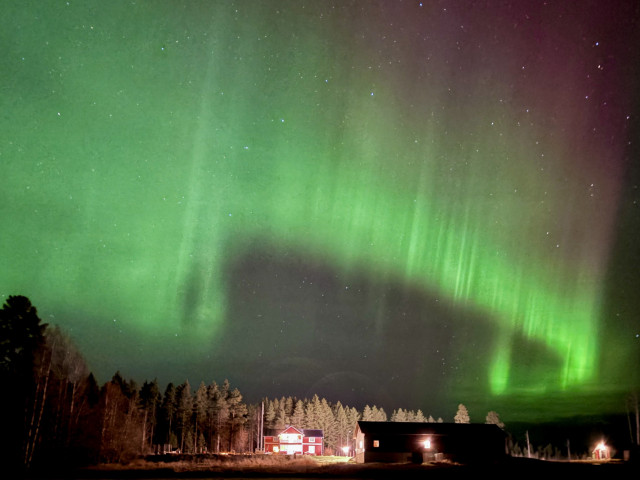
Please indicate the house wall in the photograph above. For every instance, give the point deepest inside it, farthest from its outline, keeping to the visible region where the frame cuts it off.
(305, 446)
(410, 448)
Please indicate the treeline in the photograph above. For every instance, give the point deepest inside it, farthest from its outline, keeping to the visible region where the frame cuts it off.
(337, 421)
(58, 414)
(55, 413)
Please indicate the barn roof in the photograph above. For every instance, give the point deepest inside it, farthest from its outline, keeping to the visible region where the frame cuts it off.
(421, 428)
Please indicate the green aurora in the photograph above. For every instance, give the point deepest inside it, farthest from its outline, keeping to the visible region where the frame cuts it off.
(151, 147)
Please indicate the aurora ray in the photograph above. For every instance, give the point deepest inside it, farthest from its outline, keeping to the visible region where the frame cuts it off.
(152, 147)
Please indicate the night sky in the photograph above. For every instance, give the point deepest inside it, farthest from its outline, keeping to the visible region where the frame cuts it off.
(402, 203)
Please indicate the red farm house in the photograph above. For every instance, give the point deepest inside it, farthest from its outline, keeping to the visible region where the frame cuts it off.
(293, 440)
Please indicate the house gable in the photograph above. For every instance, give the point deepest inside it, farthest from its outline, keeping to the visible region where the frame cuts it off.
(291, 431)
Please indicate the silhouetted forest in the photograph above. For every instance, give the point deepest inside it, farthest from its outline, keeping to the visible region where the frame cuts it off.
(56, 413)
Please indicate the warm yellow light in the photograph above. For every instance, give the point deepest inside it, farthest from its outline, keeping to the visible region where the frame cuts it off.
(345, 450)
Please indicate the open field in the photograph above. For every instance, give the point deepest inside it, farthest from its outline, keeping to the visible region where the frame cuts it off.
(338, 467)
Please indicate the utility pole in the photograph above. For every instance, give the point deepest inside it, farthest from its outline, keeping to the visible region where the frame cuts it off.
(261, 437)
(637, 420)
(633, 398)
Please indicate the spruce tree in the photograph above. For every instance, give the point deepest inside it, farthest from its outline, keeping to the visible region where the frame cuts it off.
(270, 414)
(280, 420)
(237, 415)
(494, 418)
(200, 403)
(168, 414)
(326, 422)
(21, 344)
(184, 410)
(312, 413)
(379, 415)
(297, 418)
(149, 400)
(367, 414)
(462, 415)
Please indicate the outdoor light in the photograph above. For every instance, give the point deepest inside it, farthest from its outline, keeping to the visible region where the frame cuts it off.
(601, 451)
(427, 443)
(345, 450)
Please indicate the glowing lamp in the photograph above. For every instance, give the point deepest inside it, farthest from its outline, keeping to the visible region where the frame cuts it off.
(427, 443)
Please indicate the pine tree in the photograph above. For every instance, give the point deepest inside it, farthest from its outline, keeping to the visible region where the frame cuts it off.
(462, 415)
(399, 416)
(149, 401)
(168, 414)
(270, 414)
(221, 414)
(343, 428)
(353, 415)
(184, 410)
(375, 414)
(280, 421)
(326, 422)
(254, 435)
(367, 414)
(120, 420)
(213, 392)
(297, 417)
(494, 418)
(312, 413)
(237, 414)
(288, 409)
(199, 415)
(394, 416)
(22, 338)
(379, 415)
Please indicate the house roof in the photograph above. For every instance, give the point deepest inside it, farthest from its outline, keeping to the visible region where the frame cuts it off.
(421, 428)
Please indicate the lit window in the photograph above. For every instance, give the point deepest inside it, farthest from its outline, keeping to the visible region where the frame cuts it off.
(360, 444)
(290, 438)
(376, 443)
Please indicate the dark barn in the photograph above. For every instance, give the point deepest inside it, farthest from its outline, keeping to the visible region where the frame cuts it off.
(400, 442)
